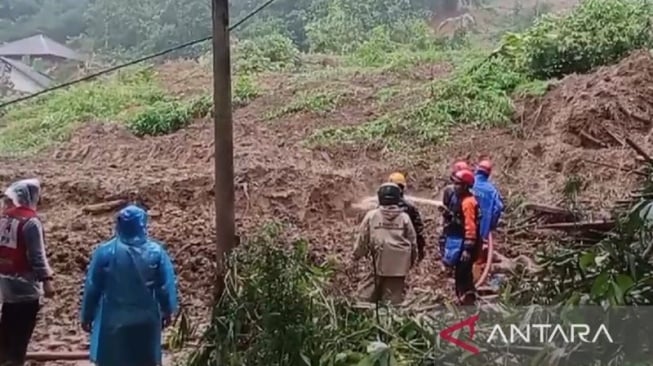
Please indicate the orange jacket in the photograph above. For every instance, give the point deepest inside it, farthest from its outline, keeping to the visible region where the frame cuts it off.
(470, 217)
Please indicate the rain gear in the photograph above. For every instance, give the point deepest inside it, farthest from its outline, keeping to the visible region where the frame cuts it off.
(490, 203)
(389, 236)
(24, 264)
(491, 206)
(23, 269)
(130, 287)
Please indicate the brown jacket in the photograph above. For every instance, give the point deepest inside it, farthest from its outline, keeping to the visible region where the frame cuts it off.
(389, 235)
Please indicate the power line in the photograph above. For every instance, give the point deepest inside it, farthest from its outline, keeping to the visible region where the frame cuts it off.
(133, 62)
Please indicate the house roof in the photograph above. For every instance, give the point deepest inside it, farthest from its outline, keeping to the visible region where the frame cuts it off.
(38, 45)
(36, 76)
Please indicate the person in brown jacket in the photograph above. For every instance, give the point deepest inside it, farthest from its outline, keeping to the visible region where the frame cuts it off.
(388, 236)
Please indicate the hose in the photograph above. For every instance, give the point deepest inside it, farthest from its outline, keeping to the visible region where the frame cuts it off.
(488, 263)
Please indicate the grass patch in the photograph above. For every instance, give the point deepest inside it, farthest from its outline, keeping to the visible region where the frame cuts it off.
(32, 125)
(133, 98)
(474, 95)
(320, 102)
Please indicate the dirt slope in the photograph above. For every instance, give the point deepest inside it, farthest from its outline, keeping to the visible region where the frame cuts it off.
(278, 178)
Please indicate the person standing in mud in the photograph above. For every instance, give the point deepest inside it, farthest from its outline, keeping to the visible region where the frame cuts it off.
(447, 194)
(412, 211)
(388, 236)
(462, 242)
(24, 270)
(130, 295)
(491, 207)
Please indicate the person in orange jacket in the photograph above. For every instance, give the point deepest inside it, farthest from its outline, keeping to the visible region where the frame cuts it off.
(462, 243)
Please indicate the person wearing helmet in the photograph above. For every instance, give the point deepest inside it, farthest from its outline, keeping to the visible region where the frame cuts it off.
(130, 295)
(388, 237)
(447, 194)
(412, 211)
(491, 207)
(24, 270)
(462, 242)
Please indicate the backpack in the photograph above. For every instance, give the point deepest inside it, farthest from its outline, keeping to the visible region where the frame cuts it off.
(453, 245)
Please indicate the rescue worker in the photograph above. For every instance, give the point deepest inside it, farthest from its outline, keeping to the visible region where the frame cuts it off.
(491, 207)
(388, 236)
(462, 242)
(412, 211)
(130, 295)
(24, 270)
(446, 198)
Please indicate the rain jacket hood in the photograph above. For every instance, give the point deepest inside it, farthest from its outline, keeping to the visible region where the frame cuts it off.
(130, 286)
(24, 193)
(490, 203)
(131, 226)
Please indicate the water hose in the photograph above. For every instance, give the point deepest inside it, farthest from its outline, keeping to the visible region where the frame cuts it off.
(489, 261)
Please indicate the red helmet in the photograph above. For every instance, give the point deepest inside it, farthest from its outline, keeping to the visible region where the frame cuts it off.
(485, 166)
(464, 176)
(460, 165)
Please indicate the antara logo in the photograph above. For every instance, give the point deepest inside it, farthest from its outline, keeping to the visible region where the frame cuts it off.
(543, 333)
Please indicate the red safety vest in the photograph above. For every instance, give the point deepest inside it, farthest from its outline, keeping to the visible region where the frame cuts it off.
(13, 251)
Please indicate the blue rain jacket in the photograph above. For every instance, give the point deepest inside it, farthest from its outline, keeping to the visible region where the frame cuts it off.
(490, 203)
(130, 286)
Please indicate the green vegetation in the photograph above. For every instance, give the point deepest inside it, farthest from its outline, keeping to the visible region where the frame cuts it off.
(34, 124)
(317, 102)
(598, 32)
(133, 98)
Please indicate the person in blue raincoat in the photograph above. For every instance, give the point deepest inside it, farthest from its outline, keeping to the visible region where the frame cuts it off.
(130, 295)
(491, 206)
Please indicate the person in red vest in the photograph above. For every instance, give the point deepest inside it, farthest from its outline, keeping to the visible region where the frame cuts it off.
(24, 270)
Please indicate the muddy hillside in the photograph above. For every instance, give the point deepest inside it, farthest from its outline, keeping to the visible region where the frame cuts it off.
(577, 126)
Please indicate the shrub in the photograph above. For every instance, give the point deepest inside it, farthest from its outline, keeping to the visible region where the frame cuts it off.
(34, 124)
(272, 52)
(160, 118)
(598, 32)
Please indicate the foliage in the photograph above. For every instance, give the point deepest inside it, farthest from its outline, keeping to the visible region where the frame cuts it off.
(271, 52)
(596, 33)
(478, 95)
(615, 272)
(399, 47)
(347, 23)
(159, 118)
(58, 19)
(245, 90)
(316, 102)
(37, 123)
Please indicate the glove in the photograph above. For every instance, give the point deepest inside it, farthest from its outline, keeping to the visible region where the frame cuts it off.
(468, 247)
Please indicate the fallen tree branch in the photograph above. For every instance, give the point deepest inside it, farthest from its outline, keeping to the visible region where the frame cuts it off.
(57, 356)
(639, 150)
(624, 169)
(103, 207)
(548, 209)
(583, 225)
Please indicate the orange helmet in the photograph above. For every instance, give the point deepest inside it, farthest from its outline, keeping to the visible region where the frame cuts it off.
(464, 176)
(485, 166)
(459, 165)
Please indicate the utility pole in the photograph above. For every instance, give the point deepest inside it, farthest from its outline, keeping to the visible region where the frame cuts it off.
(225, 227)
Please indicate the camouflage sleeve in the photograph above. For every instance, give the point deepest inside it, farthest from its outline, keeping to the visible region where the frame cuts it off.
(411, 235)
(418, 225)
(362, 246)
